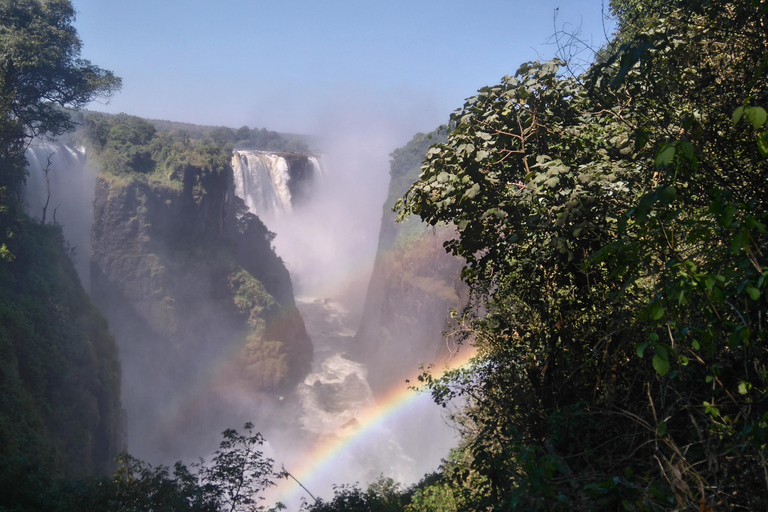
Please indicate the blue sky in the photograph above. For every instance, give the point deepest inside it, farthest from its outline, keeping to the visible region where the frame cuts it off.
(295, 65)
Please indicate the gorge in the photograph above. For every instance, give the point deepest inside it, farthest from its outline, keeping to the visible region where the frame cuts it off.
(598, 221)
(203, 309)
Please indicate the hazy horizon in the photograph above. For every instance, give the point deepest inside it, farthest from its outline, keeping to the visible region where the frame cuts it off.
(293, 67)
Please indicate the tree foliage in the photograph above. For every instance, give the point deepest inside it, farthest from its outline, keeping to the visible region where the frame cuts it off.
(384, 495)
(41, 73)
(60, 407)
(231, 481)
(613, 228)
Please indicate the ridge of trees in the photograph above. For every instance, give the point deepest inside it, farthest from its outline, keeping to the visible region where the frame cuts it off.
(243, 137)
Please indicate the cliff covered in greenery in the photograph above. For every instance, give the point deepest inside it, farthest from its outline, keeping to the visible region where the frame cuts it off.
(59, 371)
(414, 283)
(197, 299)
(60, 411)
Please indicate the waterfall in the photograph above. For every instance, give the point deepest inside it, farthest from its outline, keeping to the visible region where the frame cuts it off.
(317, 170)
(71, 185)
(262, 181)
(63, 158)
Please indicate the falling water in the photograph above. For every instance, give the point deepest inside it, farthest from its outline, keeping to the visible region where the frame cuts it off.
(321, 245)
(261, 180)
(70, 184)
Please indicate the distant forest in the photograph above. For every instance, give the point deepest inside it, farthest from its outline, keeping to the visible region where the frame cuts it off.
(243, 137)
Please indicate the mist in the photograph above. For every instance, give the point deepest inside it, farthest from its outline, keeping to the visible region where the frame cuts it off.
(178, 402)
(329, 245)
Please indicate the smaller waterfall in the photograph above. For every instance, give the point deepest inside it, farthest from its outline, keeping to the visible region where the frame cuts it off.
(71, 185)
(261, 180)
(317, 169)
(63, 159)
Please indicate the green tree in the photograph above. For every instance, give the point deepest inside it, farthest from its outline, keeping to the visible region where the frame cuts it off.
(230, 482)
(41, 73)
(613, 227)
(384, 495)
(59, 370)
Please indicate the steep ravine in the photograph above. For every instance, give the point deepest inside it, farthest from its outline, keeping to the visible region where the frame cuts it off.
(199, 303)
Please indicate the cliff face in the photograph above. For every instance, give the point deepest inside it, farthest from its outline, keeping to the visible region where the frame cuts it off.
(414, 284)
(200, 304)
(60, 411)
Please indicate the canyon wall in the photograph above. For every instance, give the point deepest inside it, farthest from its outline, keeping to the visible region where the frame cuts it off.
(60, 410)
(414, 284)
(200, 304)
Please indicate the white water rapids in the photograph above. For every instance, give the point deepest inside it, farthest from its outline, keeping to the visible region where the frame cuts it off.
(319, 245)
(330, 447)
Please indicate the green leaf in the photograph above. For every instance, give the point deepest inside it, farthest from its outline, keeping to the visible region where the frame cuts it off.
(762, 144)
(695, 344)
(756, 116)
(656, 311)
(737, 114)
(665, 156)
(686, 148)
(739, 241)
(744, 388)
(668, 194)
(661, 365)
(622, 225)
(472, 192)
(640, 349)
(661, 428)
(753, 292)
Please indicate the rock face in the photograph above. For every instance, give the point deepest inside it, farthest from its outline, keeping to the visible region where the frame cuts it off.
(414, 285)
(200, 304)
(60, 410)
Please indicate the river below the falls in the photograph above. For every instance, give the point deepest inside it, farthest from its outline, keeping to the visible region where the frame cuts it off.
(345, 434)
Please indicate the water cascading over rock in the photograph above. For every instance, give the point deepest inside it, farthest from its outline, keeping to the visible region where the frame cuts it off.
(68, 194)
(272, 184)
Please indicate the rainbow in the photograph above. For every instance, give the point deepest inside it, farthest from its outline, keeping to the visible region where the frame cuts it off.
(394, 402)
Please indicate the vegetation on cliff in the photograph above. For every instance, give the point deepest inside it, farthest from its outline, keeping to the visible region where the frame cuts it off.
(60, 411)
(613, 228)
(243, 137)
(414, 282)
(188, 280)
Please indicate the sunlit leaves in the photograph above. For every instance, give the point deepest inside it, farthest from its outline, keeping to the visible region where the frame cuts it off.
(756, 116)
(632, 202)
